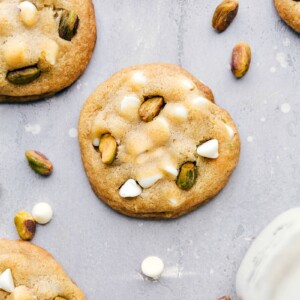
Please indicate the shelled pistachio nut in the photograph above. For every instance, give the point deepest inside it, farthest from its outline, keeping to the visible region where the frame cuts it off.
(151, 108)
(68, 25)
(25, 225)
(108, 148)
(187, 176)
(241, 58)
(39, 162)
(24, 75)
(224, 14)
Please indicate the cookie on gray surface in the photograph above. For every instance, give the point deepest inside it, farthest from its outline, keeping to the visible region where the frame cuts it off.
(45, 45)
(153, 143)
(289, 11)
(35, 274)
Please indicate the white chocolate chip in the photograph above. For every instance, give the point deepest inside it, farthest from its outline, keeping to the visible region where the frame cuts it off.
(16, 54)
(51, 49)
(188, 84)
(129, 102)
(42, 213)
(149, 181)
(152, 267)
(130, 189)
(22, 293)
(139, 78)
(174, 201)
(171, 170)
(200, 101)
(230, 131)
(28, 13)
(96, 142)
(175, 112)
(209, 149)
(6, 281)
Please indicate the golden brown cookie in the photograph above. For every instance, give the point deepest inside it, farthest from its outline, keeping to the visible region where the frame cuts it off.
(153, 143)
(35, 273)
(45, 45)
(289, 11)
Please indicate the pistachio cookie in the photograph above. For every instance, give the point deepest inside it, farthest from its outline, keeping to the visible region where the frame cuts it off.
(154, 144)
(45, 45)
(29, 272)
(289, 11)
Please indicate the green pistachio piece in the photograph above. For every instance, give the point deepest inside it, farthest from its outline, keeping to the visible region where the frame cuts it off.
(187, 176)
(68, 25)
(23, 76)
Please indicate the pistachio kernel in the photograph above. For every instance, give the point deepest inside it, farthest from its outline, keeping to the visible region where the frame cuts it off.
(108, 148)
(187, 176)
(68, 25)
(24, 75)
(151, 108)
(25, 225)
(39, 162)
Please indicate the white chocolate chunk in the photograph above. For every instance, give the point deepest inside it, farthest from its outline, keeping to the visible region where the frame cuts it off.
(130, 189)
(188, 84)
(42, 213)
(138, 79)
(171, 170)
(16, 54)
(270, 269)
(129, 107)
(152, 267)
(174, 201)
(229, 130)
(176, 112)
(200, 101)
(28, 13)
(129, 102)
(147, 182)
(22, 293)
(51, 49)
(158, 131)
(96, 142)
(6, 281)
(209, 149)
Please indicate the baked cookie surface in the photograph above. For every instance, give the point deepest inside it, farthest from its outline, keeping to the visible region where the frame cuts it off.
(35, 273)
(289, 11)
(165, 147)
(45, 45)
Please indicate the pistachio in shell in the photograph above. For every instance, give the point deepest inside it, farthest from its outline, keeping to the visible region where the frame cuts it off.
(68, 24)
(187, 176)
(24, 75)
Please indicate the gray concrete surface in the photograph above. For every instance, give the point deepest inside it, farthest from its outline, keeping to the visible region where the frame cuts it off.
(102, 250)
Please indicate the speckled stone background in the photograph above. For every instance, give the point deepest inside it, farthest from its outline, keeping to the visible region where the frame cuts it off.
(102, 250)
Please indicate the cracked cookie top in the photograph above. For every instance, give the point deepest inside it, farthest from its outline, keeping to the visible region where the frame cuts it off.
(153, 142)
(45, 46)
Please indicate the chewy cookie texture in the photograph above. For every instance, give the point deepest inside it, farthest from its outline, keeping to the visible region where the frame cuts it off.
(44, 46)
(154, 144)
(28, 272)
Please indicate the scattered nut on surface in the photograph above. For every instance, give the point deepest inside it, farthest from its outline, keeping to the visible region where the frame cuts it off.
(25, 225)
(22, 293)
(28, 13)
(225, 298)
(152, 267)
(39, 162)
(241, 59)
(6, 281)
(108, 148)
(224, 14)
(187, 176)
(68, 25)
(42, 213)
(23, 76)
(151, 108)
